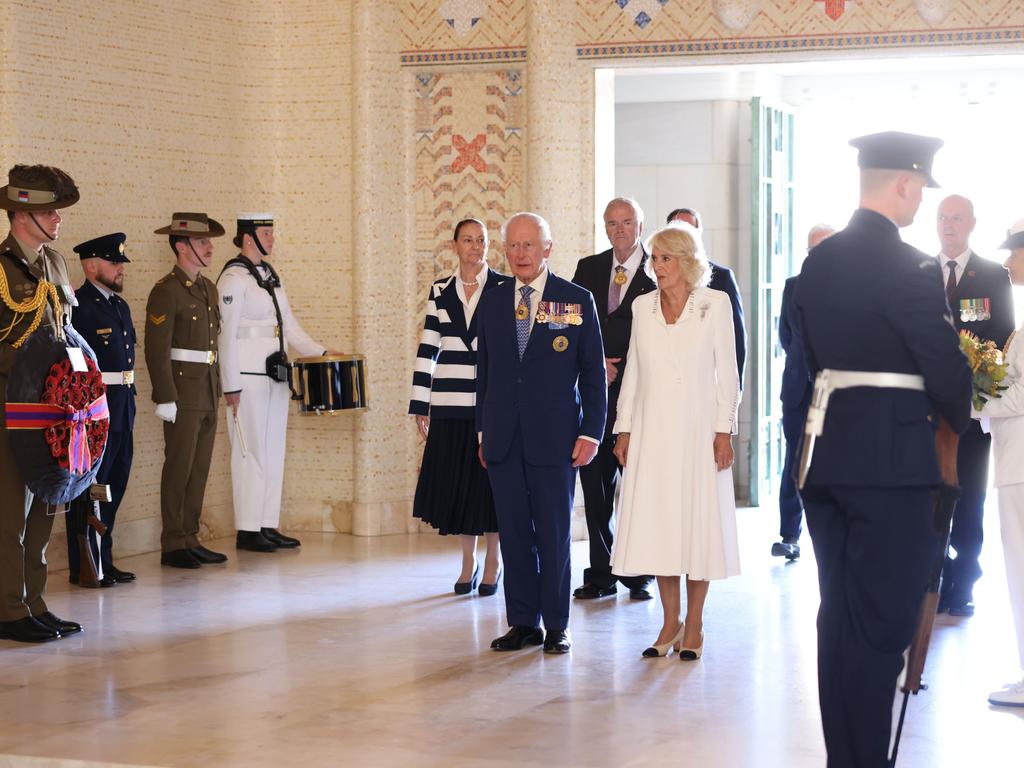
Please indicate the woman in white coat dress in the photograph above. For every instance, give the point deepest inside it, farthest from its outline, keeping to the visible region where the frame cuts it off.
(258, 405)
(1004, 418)
(677, 415)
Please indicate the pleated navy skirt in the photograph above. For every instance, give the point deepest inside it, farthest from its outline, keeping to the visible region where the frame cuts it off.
(453, 493)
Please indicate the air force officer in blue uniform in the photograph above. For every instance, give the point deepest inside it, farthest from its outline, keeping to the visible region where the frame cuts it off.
(541, 401)
(875, 321)
(105, 321)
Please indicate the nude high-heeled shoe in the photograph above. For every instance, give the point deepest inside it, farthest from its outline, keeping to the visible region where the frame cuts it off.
(657, 651)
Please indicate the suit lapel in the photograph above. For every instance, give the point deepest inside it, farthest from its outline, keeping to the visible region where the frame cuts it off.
(604, 272)
(965, 288)
(639, 281)
(449, 301)
(550, 294)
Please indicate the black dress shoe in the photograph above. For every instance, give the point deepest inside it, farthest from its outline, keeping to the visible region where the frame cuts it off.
(254, 541)
(640, 593)
(106, 581)
(118, 575)
(592, 592)
(465, 587)
(787, 548)
(58, 624)
(276, 537)
(486, 590)
(557, 641)
(517, 637)
(179, 558)
(27, 630)
(961, 608)
(207, 556)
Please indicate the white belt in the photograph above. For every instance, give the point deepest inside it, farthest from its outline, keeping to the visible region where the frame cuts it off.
(828, 381)
(115, 378)
(258, 332)
(209, 357)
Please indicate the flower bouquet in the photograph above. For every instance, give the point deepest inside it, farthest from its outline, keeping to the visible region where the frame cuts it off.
(988, 368)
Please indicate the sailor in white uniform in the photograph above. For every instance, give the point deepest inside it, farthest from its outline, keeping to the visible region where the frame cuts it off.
(256, 330)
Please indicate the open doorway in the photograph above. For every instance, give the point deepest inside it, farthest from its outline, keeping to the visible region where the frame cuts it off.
(683, 136)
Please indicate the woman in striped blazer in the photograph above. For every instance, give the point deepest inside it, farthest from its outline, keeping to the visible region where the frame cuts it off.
(453, 493)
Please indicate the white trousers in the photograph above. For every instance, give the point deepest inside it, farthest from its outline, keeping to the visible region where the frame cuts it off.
(258, 476)
(1011, 522)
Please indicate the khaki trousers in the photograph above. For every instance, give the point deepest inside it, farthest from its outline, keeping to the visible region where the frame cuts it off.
(25, 525)
(188, 448)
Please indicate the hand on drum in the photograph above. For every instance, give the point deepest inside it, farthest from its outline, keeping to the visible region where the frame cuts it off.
(723, 450)
(423, 425)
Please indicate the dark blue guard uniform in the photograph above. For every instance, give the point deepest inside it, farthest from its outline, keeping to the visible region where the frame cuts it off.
(796, 396)
(106, 323)
(869, 302)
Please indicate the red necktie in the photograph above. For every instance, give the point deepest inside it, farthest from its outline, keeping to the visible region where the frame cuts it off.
(951, 283)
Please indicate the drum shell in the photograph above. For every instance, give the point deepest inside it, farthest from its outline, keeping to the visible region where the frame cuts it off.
(330, 384)
(42, 474)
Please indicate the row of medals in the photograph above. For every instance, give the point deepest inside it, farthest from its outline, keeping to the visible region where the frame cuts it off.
(974, 309)
(544, 317)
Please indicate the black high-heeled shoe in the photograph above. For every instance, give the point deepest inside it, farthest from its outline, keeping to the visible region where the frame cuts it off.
(465, 587)
(486, 590)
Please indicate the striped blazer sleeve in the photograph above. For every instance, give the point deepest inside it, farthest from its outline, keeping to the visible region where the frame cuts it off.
(426, 356)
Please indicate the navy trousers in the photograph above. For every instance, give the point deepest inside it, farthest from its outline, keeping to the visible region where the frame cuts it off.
(534, 508)
(791, 508)
(600, 479)
(874, 547)
(113, 471)
(966, 537)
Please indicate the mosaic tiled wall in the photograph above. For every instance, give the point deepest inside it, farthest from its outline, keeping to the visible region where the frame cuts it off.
(469, 161)
(461, 31)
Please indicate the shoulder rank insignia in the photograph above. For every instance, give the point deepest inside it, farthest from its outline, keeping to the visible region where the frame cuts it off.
(157, 319)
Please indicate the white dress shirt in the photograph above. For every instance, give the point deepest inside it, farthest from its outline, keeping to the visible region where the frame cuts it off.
(631, 265)
(961, 265)
(469, 305)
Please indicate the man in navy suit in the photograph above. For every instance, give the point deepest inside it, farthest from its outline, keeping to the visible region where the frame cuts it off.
(541, 399)
(877, 331)
(615, 277)
(979, 295)
(105, 321)
(795, 396)
(722, 279)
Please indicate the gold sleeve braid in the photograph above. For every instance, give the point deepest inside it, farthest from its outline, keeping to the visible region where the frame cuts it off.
(37, 304)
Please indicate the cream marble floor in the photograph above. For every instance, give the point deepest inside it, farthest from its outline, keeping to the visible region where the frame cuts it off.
(354, 651)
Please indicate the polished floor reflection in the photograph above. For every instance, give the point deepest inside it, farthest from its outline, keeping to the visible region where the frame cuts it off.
(354, 651)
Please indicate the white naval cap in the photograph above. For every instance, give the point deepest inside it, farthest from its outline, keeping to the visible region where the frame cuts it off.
(1014, 236)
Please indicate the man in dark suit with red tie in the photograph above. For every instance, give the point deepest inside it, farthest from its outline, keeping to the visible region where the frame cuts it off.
(615, 277)
(979, 296)
(541, 399)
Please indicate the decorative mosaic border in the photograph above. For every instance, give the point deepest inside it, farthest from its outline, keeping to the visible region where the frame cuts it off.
(469, 56)
(809, 42)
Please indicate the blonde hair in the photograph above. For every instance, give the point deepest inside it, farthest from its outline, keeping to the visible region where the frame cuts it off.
(682, 241)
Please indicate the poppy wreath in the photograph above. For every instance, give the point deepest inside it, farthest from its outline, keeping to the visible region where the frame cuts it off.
(72, 412)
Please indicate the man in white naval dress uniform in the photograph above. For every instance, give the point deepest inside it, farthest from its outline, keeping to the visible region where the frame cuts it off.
(257, 324)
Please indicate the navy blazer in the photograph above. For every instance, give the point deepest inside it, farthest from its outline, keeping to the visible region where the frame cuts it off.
(595, 273)
(984, 279)
(796, 381)
(107, 326)
(870, 302)
(722, 279)
(552, 396)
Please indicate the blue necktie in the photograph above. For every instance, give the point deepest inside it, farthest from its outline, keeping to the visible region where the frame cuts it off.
(523, 319)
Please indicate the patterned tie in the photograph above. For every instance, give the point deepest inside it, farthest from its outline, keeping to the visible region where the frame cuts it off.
(951, 283)
(523, 312)
(615, 289)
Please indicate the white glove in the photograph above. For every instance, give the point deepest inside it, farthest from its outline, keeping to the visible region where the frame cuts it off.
(167, 412)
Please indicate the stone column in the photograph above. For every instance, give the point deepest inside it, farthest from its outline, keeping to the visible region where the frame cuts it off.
(559, 131)
(383, 296)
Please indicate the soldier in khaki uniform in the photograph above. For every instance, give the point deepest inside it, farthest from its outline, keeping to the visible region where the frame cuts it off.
(182, 323)
(32, 199)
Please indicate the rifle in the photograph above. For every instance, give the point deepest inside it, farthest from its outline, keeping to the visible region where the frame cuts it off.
(84, 519)
(946, 495)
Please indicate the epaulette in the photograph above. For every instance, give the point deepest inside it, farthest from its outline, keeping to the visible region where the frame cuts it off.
(165, 278)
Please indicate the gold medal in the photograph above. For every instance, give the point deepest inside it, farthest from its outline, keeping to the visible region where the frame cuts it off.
(521, 312)
(620, 277)
(560, 344)
(574, 320)
(542, 317)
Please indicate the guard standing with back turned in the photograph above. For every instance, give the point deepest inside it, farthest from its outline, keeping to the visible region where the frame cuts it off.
(887, 361)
